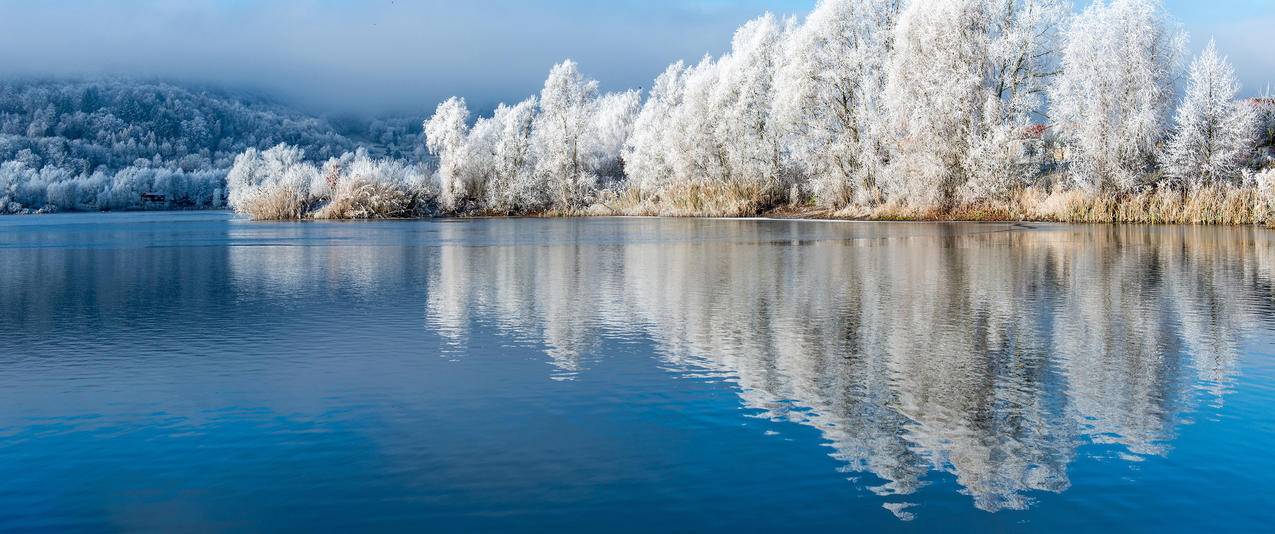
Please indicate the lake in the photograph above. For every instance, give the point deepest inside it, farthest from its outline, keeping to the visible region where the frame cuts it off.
(197, 371)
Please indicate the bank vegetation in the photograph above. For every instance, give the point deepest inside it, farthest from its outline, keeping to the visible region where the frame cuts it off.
(865, 109)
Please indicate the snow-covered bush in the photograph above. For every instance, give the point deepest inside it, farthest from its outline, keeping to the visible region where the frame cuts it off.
(359, 187)
(276, 183)
(279, 183)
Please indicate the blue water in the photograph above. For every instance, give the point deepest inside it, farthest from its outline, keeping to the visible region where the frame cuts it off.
(195, 371)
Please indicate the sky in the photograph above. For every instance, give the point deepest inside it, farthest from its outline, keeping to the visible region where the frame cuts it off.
(376, 57)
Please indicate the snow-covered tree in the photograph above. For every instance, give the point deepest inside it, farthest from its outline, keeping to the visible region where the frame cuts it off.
(1022, 60)
(558, 137)
(964, 79)
(713, 123)
(828, 101)
(446, 135)
(609, 131)
(1214, 137)
(515, 189)
(744, 94)
(648, 153)
(1264, 108)
(694, 147)
(478, 165)
(1112, 100)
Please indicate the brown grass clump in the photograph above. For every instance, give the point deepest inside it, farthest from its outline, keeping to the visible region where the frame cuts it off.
(275, 202)
(714, 199)
(1214, 204)
(359, 198)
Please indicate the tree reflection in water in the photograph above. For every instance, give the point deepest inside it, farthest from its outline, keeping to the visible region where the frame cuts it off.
(990, 352)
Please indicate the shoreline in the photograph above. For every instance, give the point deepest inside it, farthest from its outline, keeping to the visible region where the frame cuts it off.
(817, 215)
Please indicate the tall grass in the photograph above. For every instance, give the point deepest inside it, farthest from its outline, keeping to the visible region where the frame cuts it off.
(361, 198)
(710, 199)
(1211, 204)
(275, 201)
(1253, 203)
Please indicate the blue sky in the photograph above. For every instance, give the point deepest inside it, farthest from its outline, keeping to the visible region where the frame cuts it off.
(379, 56)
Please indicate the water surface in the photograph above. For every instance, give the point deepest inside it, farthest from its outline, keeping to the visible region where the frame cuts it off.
(182, 371)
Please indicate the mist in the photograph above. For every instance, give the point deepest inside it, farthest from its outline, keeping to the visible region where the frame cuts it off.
(384, 57)
(368, 57)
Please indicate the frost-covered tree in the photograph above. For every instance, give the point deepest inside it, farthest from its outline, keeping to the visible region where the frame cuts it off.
(828, 104)
(477, 166)
(1214, 137)
(1112, 100)
(609, 131)
(648, 155)
(694, 147)
(446, 134)
(487, 167)
(1264, 108)
(558, 138)
(964, 79)
(1022, 60)
(744, 95)
(83, 126)
(538, 154)
(515, 187)
(713, 124)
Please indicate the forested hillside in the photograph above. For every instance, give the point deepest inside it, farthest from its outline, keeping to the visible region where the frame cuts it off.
(90, 145)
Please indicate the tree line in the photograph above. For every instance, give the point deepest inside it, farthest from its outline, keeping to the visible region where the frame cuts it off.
(920, 105)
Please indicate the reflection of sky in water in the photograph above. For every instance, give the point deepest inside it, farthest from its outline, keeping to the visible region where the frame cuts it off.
(185, 370)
